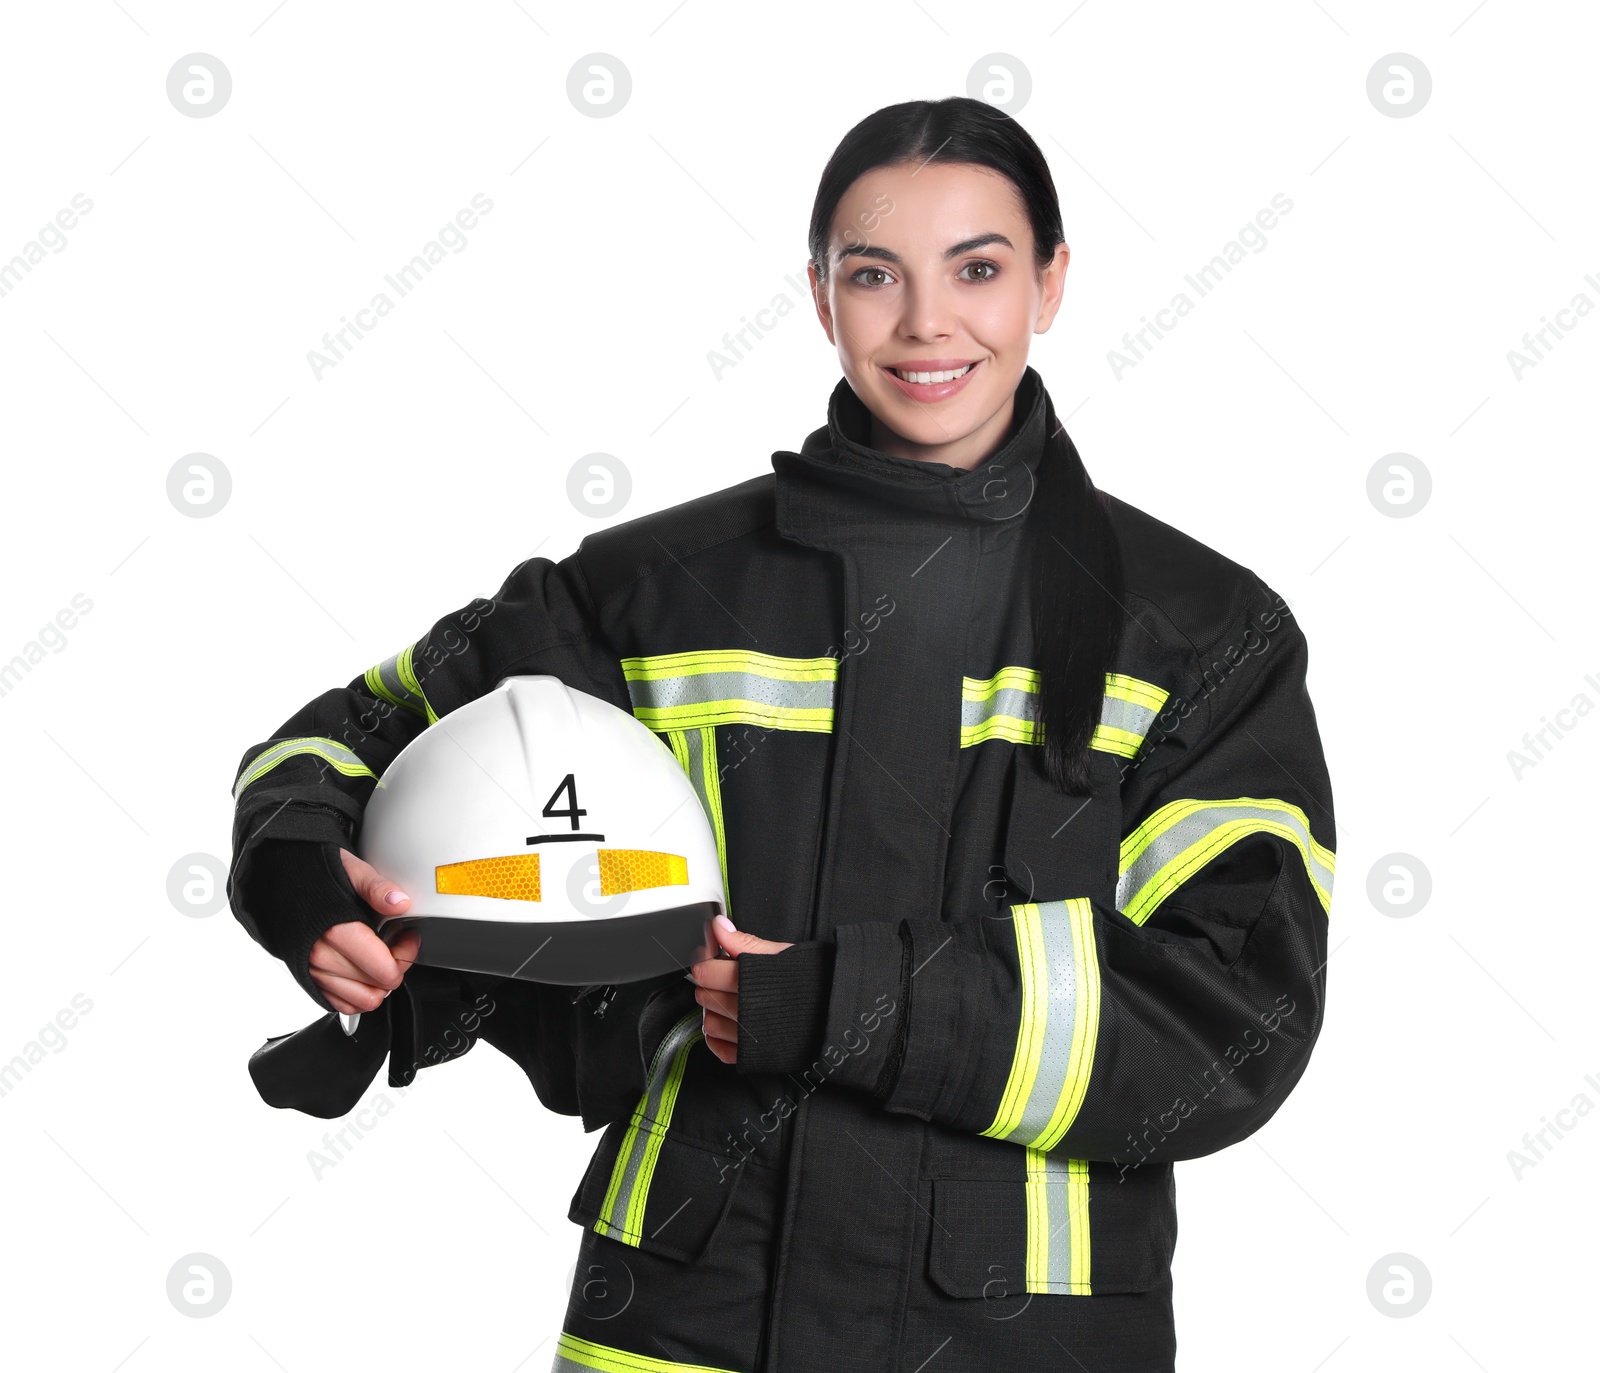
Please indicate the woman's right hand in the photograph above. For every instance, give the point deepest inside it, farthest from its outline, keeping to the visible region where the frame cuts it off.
(352, 966)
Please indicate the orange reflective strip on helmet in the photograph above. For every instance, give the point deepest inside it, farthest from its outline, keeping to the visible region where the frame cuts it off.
(625, 870)
(515, 877)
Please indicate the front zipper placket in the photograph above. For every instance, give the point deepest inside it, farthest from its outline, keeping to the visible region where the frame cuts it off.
(919, 535)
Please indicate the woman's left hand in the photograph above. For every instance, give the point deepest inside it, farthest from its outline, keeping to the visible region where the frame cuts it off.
(717, 986)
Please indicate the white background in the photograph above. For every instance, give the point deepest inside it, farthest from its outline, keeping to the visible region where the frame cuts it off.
(413, 475)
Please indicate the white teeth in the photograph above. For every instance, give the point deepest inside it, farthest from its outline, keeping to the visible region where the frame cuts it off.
(923, 378)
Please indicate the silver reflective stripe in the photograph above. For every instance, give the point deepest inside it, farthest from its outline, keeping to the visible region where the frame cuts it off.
(1162, 854)
(694, 744)
(699, 760)
(1058, 1210)
(1061, 1007)
(1058, 1022)
(1006, 707)
(705, 688)
(329, 750)
(1115, 713)
(1011, 701)
(389, 683)
(622, 1211)
(1058, 1223)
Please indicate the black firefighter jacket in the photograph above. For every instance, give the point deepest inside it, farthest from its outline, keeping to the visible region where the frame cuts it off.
(1031, 1004)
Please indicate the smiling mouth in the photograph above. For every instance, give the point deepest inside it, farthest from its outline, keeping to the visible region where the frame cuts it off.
(931, 378)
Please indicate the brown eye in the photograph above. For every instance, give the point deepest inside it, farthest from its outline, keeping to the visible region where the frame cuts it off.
(873, 271)
(988, 268)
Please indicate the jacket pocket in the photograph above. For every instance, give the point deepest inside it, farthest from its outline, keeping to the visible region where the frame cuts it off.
(648, 1185)
(650, 1189)
(1069, 1228)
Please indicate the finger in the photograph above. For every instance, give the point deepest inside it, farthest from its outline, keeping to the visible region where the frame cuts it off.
(359, 996)
(720, 1027)
(724, 1003)
(404, 950)
(372, 959)
(737, 942)
(722, 974)
(340, 1004)
(378, 892)
(329, 958)
(726, 1052)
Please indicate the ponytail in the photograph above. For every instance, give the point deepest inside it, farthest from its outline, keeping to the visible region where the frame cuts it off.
(1077, 586)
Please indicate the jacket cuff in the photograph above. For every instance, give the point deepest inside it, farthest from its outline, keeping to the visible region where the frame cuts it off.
(783, 1007)
(292, 819)
(287, 827)
(867, 1010)
(289, 893)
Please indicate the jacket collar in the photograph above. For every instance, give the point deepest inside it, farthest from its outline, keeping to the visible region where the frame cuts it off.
(837, 478)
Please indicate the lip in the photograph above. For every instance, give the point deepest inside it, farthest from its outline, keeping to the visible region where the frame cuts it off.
(932, 391)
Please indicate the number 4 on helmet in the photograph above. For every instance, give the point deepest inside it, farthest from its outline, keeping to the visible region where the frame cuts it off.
(543, 834)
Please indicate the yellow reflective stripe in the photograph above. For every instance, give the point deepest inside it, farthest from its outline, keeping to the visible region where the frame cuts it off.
(652, 1144)
(331, 751)
(1180, 838)
(1006, 706)
(408, 676)
(729, 660)
(619, 1175)
(1126, 714)
(1082, 1251)
(696, 751)
(1006, 727)
(622, 1210)
(712, 796)
(377, 687)
(1058, 1247)
(1126, 688)
(574, 1355)
(1058, 1022)
(1118, 741)
(1036, 1263)
(678, 742)
(1007, 679)
(1030, 1026)
(736, 711)
(385, 682)
(732, 686)
(1078, 1210)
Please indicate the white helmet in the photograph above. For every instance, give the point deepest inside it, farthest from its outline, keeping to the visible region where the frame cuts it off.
(543, 834)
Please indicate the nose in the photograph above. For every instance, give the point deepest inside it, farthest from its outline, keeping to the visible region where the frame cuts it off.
(929, 311)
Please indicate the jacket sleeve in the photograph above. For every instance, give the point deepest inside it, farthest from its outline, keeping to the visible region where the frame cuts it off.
(310, 781)
(1167, 1027)
(312, 777)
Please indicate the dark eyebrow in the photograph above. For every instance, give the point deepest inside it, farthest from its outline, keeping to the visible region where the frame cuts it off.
(954, 250)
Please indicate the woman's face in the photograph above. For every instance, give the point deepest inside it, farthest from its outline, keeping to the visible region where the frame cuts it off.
(930, 270)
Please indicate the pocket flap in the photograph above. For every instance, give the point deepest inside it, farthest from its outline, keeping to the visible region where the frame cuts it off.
(1071, 1230)
(979, 1238)
(650, 1189)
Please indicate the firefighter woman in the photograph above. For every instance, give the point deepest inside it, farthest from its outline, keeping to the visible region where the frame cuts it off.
(1023, 814)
